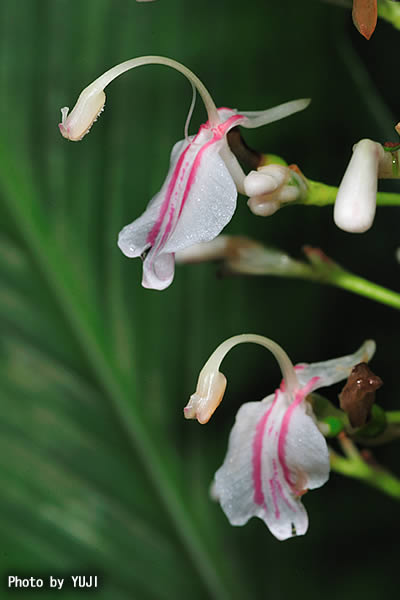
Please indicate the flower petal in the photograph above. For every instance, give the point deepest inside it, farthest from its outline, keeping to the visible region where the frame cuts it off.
(158, 273)
(195, 203)
(275, 453)
(331, 371)
(257, 118)
(306, 451)
(134, 239)
(240, 497)
(209, 200)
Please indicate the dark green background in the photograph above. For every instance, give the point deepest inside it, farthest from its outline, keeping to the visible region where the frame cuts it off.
(102, 481)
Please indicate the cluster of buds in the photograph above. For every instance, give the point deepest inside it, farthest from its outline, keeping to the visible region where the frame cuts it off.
(273, 185)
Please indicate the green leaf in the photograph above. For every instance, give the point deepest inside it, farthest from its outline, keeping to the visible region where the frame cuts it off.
(90, 480)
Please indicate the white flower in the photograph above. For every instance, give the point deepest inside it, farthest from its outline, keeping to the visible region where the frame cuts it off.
(276, 451)
(198, 197)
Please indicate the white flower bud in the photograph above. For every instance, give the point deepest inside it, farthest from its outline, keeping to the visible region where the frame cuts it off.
(265, 180)
(263, 206)
(356, 198)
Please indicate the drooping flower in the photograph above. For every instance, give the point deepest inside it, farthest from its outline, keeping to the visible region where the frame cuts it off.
(276, 451)
(198, 197)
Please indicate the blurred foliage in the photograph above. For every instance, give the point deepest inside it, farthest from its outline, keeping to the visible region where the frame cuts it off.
(99, 473)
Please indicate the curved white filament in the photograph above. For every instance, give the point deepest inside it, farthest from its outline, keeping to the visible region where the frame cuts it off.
(190, 113)
(286, 366)
(101, 82)
(91, 100)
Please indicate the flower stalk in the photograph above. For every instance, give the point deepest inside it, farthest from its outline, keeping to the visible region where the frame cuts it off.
(362, 466)
(247, 257)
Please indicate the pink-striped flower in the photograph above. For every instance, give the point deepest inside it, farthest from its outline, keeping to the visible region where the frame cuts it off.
(198, 197)
(276, 451)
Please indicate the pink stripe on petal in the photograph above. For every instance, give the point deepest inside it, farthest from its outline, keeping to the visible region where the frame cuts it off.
(193, 172)
(173, 191)
(300, 395)
(155, 250)
(272, 483)
(164, 207)
(257, 450)
(280, 488)
(224, 127)
(219, 133)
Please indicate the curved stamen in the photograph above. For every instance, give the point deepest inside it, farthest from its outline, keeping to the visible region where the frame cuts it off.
(190, 113)
(285, 364)
(91, 100)
(211, 383)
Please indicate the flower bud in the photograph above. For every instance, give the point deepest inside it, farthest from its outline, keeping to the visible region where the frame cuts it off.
(356, 198)
(265, 180)
(263, 206)
(271, 186)
(267, 204)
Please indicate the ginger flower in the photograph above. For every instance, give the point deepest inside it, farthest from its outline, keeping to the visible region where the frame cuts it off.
(198, 197)
(276, 451)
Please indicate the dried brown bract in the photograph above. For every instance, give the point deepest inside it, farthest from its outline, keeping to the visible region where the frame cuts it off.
(358, 395)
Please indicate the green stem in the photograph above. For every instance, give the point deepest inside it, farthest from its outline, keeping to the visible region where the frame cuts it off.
(321, 194)
(357, 468)
(326, 270)
(363, 287)
(24, 206)
(260, 260)
(393, 416)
